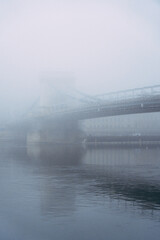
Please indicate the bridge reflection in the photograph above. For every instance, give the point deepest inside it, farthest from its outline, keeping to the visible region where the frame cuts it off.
(57, 154)
(126, 179)
(128, 174)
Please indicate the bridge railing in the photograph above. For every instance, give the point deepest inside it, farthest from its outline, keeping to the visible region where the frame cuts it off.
(131, 93)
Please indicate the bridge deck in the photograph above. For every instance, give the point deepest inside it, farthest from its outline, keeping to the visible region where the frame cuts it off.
(132, 101)
(111, 108)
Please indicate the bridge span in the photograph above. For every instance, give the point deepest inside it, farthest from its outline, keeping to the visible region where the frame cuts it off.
(59, 122)
(132, 101)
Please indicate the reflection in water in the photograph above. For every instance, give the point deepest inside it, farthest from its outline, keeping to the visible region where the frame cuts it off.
(60, 154)
(63, 181)
(58, 192)
(129, 174)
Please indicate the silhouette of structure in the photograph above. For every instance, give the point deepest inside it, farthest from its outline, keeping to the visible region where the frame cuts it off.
(56, 116)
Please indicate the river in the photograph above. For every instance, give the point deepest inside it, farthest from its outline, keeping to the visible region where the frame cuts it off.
(73, 192)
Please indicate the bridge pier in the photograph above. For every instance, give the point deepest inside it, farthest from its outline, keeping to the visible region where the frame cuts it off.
(54, 131)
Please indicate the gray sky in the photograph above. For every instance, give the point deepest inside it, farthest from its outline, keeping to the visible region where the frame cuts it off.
(109, 45)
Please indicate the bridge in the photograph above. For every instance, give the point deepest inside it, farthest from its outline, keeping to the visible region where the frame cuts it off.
(132, 101)
(58, 120)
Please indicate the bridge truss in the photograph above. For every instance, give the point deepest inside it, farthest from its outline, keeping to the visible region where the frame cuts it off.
(131, 101)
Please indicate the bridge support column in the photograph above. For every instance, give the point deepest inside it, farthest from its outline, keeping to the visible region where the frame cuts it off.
(54, 131)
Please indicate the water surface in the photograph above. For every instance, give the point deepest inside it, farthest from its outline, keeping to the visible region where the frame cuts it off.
(71, 192)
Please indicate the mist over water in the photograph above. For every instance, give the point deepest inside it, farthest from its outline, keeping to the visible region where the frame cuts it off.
(62, 192)
(74, 164)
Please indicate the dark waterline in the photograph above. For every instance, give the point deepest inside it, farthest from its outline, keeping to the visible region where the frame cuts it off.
(72, 192)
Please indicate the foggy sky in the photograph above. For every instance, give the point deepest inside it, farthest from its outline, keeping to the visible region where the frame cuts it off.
(108, 45)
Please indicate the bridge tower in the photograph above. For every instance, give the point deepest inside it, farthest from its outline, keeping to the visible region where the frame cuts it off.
(55, 90)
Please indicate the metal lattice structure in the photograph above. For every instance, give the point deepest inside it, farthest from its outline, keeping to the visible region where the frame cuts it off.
(132, 101)
(131, 93)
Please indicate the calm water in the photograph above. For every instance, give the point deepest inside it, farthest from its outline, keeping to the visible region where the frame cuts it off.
(60, 192)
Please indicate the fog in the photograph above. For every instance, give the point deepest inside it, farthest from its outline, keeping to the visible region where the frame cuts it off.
(108, 45)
